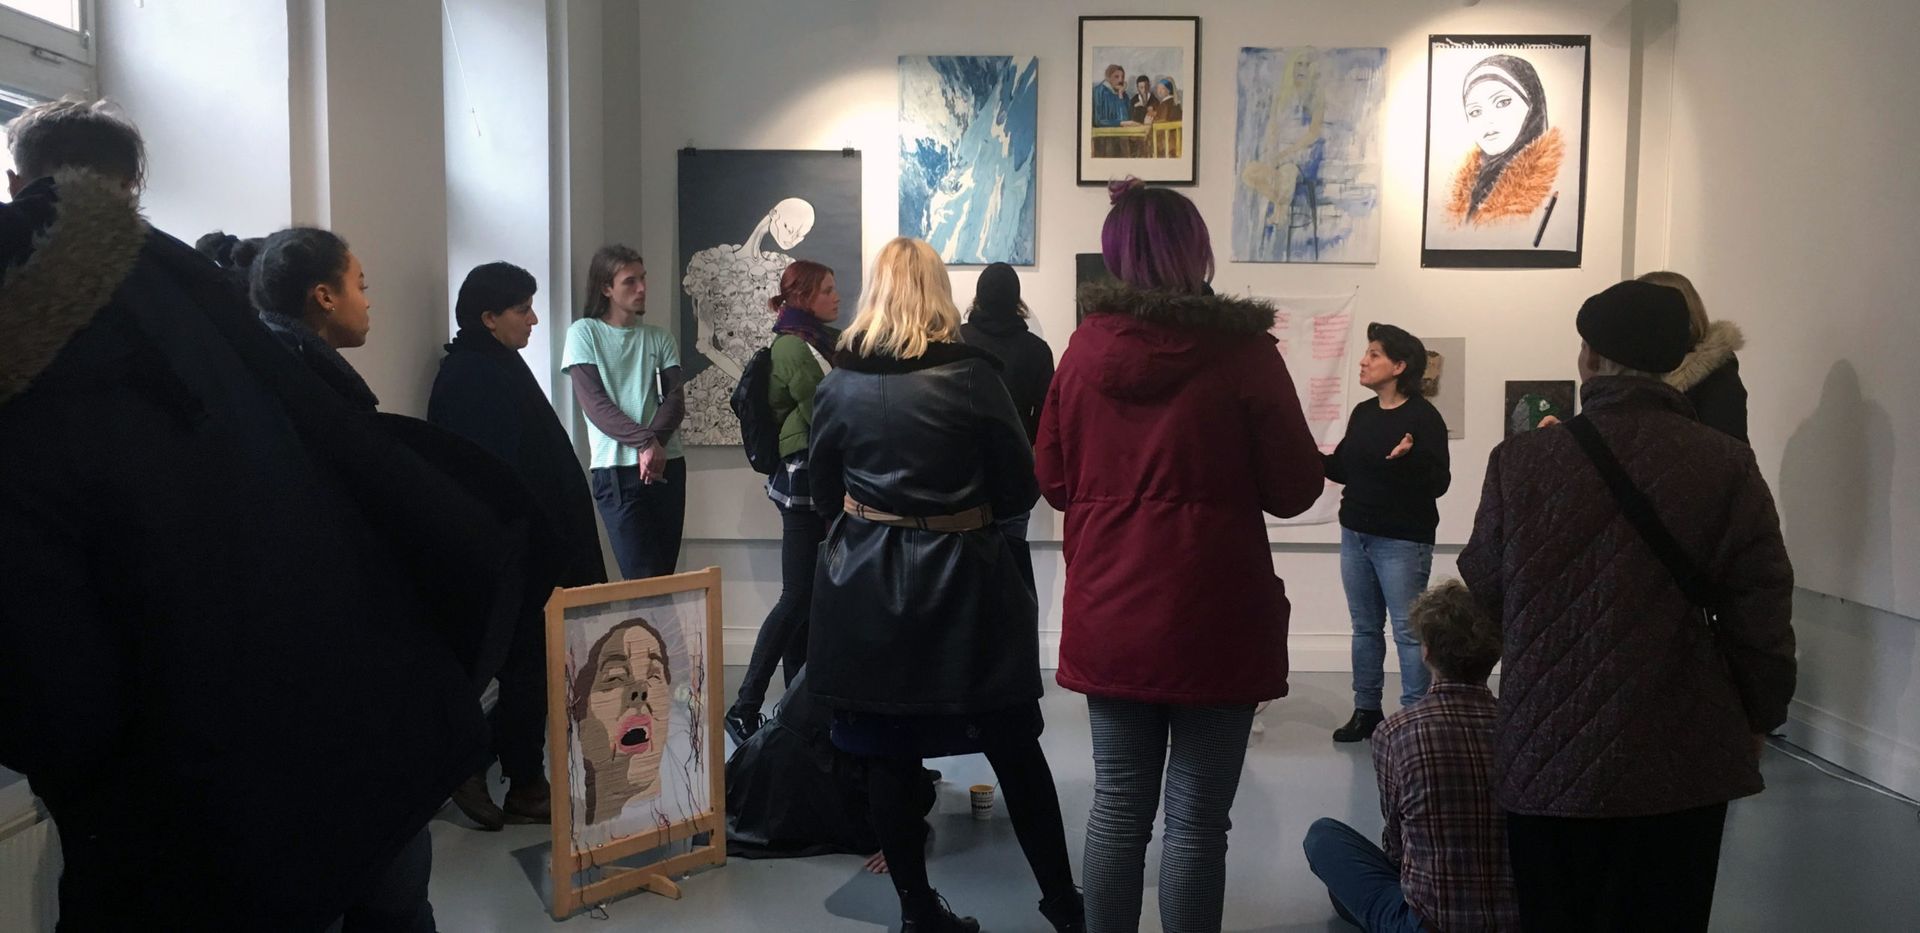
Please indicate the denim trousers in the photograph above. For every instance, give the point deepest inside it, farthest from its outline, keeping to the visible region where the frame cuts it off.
(1382, 576)
(1363, 885)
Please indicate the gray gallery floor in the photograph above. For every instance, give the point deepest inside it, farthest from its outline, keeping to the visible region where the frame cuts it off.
(1811, 854)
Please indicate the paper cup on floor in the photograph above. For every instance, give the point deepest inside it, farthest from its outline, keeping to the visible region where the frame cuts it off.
(982, 801)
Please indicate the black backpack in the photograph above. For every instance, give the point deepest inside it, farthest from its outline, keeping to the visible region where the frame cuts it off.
(752, 404)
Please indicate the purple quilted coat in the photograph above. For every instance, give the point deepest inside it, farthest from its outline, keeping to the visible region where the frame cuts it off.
(1615, 699)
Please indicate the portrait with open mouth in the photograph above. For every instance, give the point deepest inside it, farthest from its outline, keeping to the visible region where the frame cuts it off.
(620, 703)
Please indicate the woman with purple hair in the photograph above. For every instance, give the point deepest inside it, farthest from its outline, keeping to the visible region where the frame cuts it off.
(1171, 425)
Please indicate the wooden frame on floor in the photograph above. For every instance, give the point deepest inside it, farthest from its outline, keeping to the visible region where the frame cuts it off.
(703, 703)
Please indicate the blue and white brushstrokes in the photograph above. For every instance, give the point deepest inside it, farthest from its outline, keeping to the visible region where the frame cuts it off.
(1307, 155)
(968, 134)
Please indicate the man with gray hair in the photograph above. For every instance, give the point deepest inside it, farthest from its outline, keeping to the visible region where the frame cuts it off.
(1634, 561)
(236, 661)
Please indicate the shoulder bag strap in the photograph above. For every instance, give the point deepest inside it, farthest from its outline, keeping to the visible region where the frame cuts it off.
(1640, 512)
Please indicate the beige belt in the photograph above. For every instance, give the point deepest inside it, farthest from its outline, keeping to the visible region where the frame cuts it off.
(970, 520)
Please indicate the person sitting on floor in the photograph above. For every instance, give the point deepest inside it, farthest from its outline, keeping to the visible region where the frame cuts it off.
(1442, 863)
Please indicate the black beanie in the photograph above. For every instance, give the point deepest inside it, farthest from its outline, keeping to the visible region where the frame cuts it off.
(1638, 325)
(998, 288)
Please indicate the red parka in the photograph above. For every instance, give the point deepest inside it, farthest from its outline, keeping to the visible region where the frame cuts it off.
(1170, 427)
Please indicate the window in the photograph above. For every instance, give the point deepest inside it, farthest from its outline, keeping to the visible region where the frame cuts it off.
(62, 13)
(47, 47)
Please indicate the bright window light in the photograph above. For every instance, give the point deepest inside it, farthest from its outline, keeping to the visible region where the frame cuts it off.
(62, 13)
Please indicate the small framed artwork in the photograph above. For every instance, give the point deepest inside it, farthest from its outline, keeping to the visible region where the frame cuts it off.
(1531, 404)
(1445, 382)
(1139, 98)
(633, 736)
(1506, 151)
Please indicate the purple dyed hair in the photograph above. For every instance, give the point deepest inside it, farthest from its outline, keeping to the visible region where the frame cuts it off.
(1154, 239)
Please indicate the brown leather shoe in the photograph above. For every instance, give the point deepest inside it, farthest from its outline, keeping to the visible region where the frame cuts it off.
(473, 800)
(529, 802)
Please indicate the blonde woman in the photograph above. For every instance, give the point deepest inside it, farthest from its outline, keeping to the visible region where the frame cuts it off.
(1710, 375)
(925, 625)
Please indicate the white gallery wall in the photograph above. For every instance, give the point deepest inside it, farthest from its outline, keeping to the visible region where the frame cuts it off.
(1793, 204)
(813, 74)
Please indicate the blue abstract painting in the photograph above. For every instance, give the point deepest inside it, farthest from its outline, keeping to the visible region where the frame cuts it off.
(968, 137)
(1307, 155)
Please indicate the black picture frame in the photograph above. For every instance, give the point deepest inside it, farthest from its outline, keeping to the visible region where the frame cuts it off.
(1508, 255)
(1186, 165)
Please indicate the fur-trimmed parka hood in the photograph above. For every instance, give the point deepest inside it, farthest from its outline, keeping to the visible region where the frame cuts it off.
(76, 264)
(1146, 344)
(1722, 340)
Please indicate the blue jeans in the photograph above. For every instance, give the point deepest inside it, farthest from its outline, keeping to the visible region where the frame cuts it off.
(1382, 577)
(1364, 886)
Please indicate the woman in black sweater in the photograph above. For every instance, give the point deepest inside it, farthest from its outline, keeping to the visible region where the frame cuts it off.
(1394, 464)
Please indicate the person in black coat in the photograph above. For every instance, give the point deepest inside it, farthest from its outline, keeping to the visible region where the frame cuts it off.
(486, 393)
(311, 292)
(1710, 375)
(925, 636)
(997, 323)
(241, 627)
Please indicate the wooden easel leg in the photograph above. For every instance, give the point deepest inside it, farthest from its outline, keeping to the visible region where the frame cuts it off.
(663, 886)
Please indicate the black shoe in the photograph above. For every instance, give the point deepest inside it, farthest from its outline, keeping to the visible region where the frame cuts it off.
(932, 915)
(1360, 727)
(1067, 914)
(742, 724)
(473, 800)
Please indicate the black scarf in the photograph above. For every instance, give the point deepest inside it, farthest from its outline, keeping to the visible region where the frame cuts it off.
(323, 359)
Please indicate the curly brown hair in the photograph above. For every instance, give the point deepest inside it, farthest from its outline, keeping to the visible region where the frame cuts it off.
(1462, 641)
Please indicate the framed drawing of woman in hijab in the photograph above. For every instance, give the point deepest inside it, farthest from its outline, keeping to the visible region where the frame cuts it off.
(1506, 151)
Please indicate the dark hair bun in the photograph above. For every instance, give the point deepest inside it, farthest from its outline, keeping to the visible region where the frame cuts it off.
(1121, 187)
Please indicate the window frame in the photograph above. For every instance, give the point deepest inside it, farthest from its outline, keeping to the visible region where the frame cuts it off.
(53, 61)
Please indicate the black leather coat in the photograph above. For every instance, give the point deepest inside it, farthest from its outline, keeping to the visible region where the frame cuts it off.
(905, 621)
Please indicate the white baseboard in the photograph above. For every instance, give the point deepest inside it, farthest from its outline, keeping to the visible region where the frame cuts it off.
(1874, 755)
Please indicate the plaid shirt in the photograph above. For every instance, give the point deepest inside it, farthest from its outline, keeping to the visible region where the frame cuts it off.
(1434, 762)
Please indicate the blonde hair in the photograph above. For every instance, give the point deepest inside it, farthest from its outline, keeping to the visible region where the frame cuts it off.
(1696, 311)
(907, 304)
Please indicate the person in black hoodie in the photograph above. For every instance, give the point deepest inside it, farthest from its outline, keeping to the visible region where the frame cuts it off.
(1710, 375)
(1393, 461)
(486, 393)
(997, 323)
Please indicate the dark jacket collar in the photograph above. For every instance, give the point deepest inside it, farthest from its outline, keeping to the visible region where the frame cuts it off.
(1203, 312)
(938, 354)
(1630, 393)
(323, 359)
(478, 340)
(90, 245)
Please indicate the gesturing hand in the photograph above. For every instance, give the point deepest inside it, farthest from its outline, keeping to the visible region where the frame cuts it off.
(1402, 449)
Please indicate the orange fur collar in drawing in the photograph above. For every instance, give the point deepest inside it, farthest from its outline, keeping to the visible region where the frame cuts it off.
(1522, 188)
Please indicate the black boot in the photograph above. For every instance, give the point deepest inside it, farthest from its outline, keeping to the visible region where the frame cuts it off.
(741, 724)
(1360, 727)
(929, 913)
(1068, 914)
(473, 800)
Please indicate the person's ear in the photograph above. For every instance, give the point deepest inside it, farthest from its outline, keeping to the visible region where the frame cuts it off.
(14, 184)
(323, 297)
(490, 321)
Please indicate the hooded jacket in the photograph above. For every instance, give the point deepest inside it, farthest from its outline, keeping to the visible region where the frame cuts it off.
(1026, 359)
(225, 590)
(1170, 427)
(1710, 378)
(1616, 699)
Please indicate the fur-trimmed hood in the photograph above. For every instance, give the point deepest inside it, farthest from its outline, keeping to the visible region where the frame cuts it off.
(76, 265)
(1145, 345)
(1523, 187)
(1205, 312)
(1713, 351)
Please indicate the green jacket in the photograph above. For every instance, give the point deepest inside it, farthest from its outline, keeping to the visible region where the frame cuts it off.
(795, 375)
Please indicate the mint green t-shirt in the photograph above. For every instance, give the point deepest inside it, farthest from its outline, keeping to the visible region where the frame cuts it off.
(630, 360)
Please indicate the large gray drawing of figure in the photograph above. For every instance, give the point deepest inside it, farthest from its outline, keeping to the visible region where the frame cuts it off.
(730, 286)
